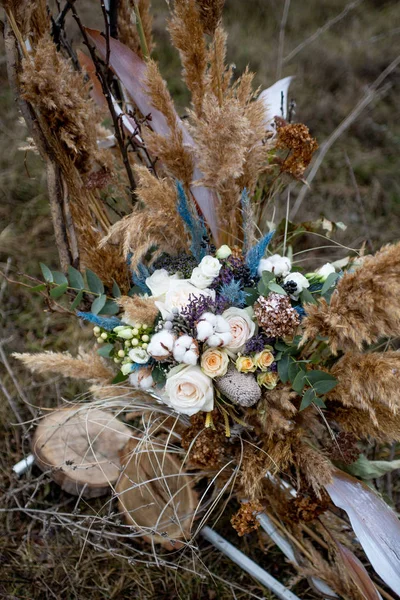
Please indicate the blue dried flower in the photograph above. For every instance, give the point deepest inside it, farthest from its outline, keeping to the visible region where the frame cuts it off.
(256, 253)
(233, 293)
(194, 224)
(107, 323)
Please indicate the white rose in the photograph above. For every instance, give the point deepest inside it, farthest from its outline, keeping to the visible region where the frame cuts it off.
(200, 280)
(223, 252)
(189, 390)
(301, 283)
(278, 265)
(179, 295)
(210, 266)
(326, 270)
(139, 355)
(242, 328)
(159, 282)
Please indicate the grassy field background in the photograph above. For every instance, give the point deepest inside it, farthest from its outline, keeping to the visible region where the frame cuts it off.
(358, 183)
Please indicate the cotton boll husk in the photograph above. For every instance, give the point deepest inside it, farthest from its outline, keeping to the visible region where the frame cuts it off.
(364, 307)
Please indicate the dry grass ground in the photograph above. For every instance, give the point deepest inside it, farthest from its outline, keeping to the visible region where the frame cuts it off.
(38, 558)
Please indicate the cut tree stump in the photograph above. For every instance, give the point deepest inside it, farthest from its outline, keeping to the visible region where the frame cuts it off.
(155, 495)
(82, 447)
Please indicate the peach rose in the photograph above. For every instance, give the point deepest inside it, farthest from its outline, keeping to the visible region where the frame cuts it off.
(264, 359)
(214, 362)
(267, 379)
(245, 364)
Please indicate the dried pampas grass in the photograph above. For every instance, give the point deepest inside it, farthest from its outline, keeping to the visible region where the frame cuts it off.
(61, 98)
(138, 310)
(210, 12)
(87, 365)
(157, 225)
(127, 30)
(364, 307)
(368, 381)
(186, 29)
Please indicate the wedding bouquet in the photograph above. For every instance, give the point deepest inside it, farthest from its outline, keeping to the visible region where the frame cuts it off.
(233, 363)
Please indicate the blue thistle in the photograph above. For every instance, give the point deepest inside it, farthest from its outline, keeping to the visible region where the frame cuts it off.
(233, 293)
(194, 224)
(300, 311)
(107, 323)
(256, 253)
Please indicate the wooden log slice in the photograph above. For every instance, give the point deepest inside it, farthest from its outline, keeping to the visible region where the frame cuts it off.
(81, 445)
(155, 494)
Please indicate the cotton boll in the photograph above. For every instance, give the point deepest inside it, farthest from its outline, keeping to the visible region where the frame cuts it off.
(214, 341)
(204, 330)
(161, 345)
(185, 350)
(221, 325)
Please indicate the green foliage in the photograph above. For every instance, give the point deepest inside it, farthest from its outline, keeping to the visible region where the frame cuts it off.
(371, 469)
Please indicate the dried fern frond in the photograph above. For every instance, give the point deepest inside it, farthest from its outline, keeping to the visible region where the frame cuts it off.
(138, 310)
(367, 381)
(127, 29)
(87, 365)
(210, 14)
(364, 307)
(186, 29)
(156, 225)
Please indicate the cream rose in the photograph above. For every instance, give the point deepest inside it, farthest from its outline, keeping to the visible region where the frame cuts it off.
(188, 390)
(264, 359)
(178, 295)
(245, 364)
(242, 328)
(160, 281)
(214, 362)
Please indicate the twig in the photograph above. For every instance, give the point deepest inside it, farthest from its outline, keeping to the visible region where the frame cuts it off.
(13, 406)
(9, 370)
(359, 202)
(108, 96)
(54, 185)
(281, 42)
(321, 30)
(344, 125)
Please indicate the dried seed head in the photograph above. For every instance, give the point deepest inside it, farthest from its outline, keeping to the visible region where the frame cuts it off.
(276, 316)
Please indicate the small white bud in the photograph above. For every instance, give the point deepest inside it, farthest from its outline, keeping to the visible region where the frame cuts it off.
(96, 330)
(145, 338)
(100, 340)
(223, 252)
(121, 353)
(104, 335)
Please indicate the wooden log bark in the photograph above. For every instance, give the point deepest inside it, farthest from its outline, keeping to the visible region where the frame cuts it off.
(81, 446)
(155, 494)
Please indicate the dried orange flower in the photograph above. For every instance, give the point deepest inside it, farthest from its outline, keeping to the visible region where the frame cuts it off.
(245, 521)
(296, 138)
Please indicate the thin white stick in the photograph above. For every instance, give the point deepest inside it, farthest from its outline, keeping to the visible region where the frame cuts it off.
(23, 465)
(281, 42)
(248, 565)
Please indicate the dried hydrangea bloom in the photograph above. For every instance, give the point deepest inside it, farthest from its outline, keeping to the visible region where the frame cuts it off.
(276, 316)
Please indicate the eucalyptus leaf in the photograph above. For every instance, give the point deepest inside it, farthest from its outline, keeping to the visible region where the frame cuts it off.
(95, 284)
(293, 370)
(116, 292)
(38, 288)
(75, 279)
(319, 402)
(59, 277)
(135, 290)
(329, 281)
(307, 298)
(267, 276)
(105, 350)
(316, 375)
(299, 382)
(58, 291)
(77, 300)
(110, 308)
(98, 304)
(323, 387)
(274, 287)
(119, 378)
(47, 274)
(283, 367)
(307, 399)
(371, 469)
(262, 288)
